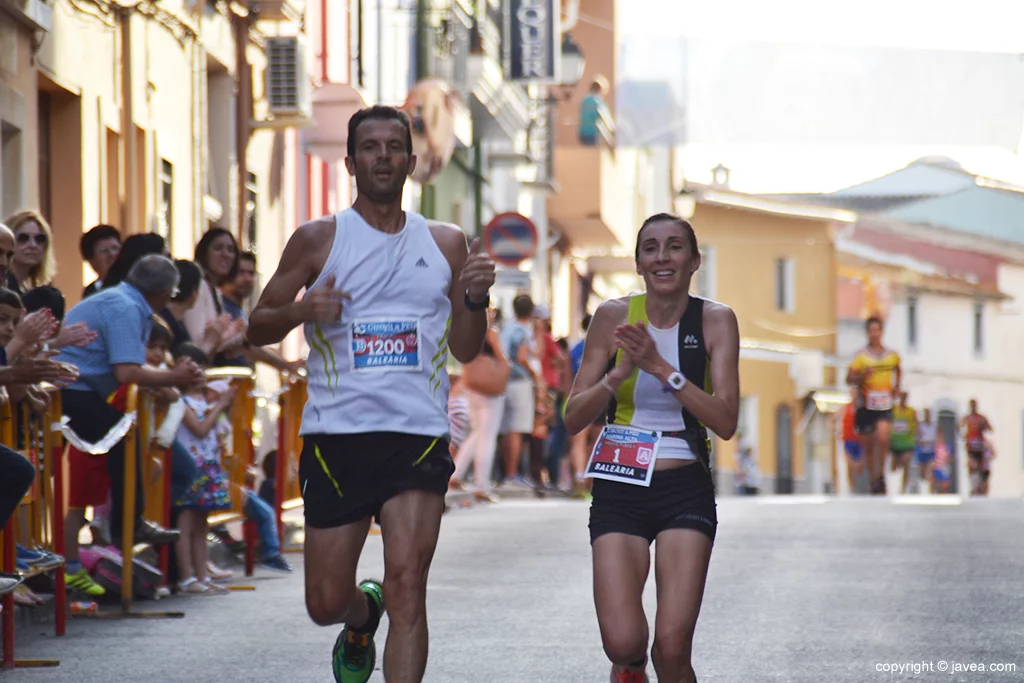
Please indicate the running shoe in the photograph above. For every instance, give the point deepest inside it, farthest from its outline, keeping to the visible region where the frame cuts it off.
(627, 676)
(355, 653)
(81, 581)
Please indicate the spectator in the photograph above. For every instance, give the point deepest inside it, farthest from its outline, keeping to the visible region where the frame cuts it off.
(122, 317)
(33, 263)
(16, 476)
(555, 368)
(594, 113)
(217, 257)
(484, 380)
(184, 299)
(268, 489)
(133, 249)
(100, 247)
(203, 438)
(524, 385)
(234, 292)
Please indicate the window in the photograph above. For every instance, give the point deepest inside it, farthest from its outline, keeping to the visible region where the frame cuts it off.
(912, 322)
(165, 209)
(979, 321)
(785, 285)
(704, 284)
(250, 207)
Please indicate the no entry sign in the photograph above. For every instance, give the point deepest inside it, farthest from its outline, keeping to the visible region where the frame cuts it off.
(510, 238)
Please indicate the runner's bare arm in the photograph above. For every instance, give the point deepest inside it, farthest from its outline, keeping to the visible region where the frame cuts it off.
(277, 312)
(473, 273)
(719, 411)
(588, 398)
(898, 371)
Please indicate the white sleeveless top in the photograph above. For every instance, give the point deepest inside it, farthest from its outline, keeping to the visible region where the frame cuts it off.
(383, 366)
(656, 409)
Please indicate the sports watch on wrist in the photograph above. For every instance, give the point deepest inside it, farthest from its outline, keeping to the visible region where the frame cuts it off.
(676, 381)
(475, 306)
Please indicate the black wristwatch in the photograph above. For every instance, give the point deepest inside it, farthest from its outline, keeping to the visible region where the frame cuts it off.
(482, 306)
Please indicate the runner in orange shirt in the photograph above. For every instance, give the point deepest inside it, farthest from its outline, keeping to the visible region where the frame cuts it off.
(851, 442)
(973, 426)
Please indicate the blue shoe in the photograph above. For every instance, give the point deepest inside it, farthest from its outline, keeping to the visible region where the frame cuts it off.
(355, 653)
(28, 555)
(276, 563)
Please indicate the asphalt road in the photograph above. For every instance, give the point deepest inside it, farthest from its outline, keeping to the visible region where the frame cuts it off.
(798, 591)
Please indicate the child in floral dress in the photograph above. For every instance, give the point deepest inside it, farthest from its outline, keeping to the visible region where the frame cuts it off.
(200, 435)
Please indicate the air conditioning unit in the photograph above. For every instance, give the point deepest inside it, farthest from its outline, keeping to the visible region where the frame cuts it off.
(289, 90)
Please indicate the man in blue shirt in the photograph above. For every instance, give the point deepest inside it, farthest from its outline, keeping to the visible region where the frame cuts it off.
(122, 318)
(592, 111)
(576, 354)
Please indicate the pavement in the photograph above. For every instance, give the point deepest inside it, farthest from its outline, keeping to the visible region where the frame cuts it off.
(801, 589)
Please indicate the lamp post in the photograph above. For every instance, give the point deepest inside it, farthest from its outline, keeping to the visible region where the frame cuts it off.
(571, 71)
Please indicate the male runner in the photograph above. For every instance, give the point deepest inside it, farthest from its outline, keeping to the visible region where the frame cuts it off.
(973, 426)
(876, 371)
(387, 294)
(903, 439)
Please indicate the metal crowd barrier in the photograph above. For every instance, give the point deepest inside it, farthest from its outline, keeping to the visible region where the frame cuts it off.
(39, 520)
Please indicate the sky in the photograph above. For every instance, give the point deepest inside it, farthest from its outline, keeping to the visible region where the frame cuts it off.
(979, 25)
(987, 26)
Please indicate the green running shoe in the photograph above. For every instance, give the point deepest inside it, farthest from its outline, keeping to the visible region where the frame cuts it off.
(355, 653)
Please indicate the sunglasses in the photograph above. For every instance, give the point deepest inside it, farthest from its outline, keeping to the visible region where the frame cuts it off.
(40, 238)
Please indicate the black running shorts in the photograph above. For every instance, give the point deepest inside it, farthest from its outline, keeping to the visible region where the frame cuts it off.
(346, 478)
(679, 498)
(865, 420)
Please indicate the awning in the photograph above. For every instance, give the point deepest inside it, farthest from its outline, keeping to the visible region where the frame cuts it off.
(333, 105)
(829, 400)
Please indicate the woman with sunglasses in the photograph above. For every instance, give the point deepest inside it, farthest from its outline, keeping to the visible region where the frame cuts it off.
(33, 264)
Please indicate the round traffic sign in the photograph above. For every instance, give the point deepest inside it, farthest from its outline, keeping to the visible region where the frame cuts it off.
(510, 238)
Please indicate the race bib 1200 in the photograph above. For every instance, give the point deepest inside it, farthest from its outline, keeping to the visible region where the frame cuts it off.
(386, 345)
(624, 454)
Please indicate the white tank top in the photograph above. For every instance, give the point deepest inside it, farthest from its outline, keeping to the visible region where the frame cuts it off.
(382, 368)
(926, 433)
(656, 409)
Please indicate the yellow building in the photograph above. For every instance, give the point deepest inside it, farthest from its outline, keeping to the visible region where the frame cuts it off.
(774, 264)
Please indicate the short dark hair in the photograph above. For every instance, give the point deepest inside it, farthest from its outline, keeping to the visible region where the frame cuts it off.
(10, 298)
(206, 242)
(46, 296)
(378, 112)
(691, 236)
(586, 321)
(161, 333)
(522, 306)
(269, 465)
(189, 278)
(190, 350)
(873, 319)
(247, 256)
(99, 233)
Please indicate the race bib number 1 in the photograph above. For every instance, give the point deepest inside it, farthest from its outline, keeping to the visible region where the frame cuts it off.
(386, 345)
(624, 454)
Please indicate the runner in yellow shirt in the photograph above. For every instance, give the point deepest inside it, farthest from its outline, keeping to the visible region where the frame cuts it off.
(904, 437)
(876, 371)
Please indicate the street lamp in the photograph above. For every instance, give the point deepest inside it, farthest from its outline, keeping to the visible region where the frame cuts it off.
(573, 62)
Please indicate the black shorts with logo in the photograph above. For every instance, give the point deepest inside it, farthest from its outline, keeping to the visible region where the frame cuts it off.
(865, 420)
(345, 478)
(679, 498)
